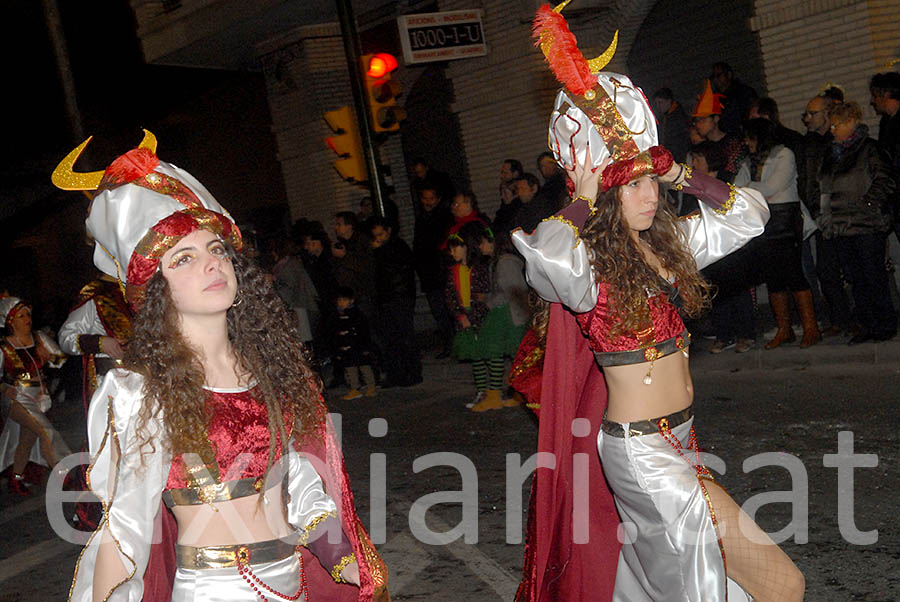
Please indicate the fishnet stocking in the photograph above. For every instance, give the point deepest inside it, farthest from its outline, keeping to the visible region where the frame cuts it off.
(752, 558)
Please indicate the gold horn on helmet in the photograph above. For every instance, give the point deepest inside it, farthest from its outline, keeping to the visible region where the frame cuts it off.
(66, 178)
(597, 64)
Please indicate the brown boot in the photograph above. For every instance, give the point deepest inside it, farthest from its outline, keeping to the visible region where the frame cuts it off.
(492, 401)
(811, 334)
(781, 309)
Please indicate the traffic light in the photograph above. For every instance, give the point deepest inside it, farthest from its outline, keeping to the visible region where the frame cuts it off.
(346, 143)
(382, 92)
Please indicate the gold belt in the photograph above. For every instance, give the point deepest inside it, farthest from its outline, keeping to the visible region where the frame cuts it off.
(217, 492)
(223, 557)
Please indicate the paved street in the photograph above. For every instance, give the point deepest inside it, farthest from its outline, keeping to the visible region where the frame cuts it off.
(789, 401)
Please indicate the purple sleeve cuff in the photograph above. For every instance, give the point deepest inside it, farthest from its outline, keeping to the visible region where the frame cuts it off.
(329, 554)
(576, 212)
(708, 189)
(89, 344)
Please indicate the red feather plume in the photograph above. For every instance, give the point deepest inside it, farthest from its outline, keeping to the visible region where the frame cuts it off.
(566, 61)
(134, 164)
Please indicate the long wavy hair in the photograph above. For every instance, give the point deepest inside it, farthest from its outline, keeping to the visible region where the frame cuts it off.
(618, 261)
(265, 344)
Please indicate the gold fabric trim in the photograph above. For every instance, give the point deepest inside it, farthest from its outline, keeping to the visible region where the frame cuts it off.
(533, 357)
(377, 568)
(223, 557)
(314, 524)
(691, 215)
(726, 206)
(110, 434)
(568, 222)
(340, 566)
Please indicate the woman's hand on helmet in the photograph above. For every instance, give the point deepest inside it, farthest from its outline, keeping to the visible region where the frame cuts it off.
(587, 178)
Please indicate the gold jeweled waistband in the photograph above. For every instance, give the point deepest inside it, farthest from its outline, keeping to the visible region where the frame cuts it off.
(223, 557)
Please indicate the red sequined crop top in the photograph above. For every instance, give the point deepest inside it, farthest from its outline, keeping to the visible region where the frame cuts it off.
(240, 436)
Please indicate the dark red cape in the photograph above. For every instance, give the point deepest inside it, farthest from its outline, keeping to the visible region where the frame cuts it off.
(555, 567)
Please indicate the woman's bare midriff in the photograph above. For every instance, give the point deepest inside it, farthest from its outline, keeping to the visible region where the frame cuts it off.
(670, 390)
(240, 521)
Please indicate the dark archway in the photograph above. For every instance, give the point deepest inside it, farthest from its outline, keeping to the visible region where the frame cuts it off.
(675, 47)
(431, 130)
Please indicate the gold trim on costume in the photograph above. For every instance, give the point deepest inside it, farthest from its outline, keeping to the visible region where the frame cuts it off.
(314, 524)
(566, 221)
(692, 215)
(340, 566)
(726, 206)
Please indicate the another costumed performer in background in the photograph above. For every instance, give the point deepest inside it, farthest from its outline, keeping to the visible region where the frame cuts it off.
(24, 400)
(216, 412)
(622, 263)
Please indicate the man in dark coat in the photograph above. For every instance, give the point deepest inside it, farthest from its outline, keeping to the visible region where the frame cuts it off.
(395, 300)
(738, 97)
(885, 91)
(673, 123)
(433, 220)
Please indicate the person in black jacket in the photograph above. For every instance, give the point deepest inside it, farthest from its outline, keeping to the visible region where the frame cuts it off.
(353, 346)
(854, 210)
(395, 300)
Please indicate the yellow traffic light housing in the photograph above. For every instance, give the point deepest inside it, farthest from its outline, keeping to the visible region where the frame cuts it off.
(382, 92)
(346, 143)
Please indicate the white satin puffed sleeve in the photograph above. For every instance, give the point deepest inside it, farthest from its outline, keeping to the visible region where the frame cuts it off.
(308, 504)
(557, 265)
(82, 320)
(130, 490)
(715, 232)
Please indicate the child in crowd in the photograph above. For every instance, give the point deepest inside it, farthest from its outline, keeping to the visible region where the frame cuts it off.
(488, 331)
(353, 347)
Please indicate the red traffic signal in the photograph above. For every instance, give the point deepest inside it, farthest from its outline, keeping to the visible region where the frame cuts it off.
(382, 92)
(380, 65)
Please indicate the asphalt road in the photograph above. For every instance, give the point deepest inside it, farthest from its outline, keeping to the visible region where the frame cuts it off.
(467, 546)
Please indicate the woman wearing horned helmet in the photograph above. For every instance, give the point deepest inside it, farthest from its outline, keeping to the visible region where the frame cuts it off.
(24, 399)
(627, 270)
(216, 413)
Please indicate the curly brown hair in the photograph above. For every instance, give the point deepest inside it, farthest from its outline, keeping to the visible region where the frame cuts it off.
(265, 344)
(617, 260)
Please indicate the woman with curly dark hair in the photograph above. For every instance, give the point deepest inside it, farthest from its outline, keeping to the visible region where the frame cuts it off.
(627, 269)
(215, 411)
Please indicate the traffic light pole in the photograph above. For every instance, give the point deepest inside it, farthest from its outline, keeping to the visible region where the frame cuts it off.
(353, 52)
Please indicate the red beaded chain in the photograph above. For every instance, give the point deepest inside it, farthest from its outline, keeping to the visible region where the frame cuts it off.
(664, 430)
(243, 566)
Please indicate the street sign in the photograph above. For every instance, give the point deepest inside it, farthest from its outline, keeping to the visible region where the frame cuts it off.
(443, 36)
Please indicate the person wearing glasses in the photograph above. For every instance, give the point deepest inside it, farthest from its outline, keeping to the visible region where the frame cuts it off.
(816, 142)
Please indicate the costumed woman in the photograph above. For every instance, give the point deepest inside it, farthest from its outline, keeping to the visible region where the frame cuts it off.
(216, 412)
(27, 434)
(619, 260)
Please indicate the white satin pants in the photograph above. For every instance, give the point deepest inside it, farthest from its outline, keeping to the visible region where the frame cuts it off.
(671, 551)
